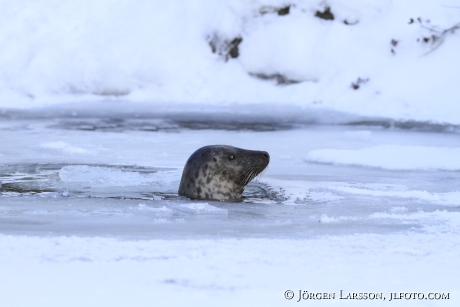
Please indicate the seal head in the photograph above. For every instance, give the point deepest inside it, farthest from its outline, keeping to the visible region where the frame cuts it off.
(221, 172)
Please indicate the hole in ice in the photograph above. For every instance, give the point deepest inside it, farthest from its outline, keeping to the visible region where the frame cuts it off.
(106, 181)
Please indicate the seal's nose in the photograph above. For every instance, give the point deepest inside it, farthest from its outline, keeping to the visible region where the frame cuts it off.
(266, 155)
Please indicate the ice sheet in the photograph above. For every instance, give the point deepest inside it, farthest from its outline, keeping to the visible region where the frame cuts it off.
(108, 222)
(394, 157)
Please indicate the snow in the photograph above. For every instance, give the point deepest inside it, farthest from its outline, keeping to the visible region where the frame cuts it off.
(203, 207)
(67, 148)
(147, 51)
(178, 272)
(394, 157)
(102, 102)
(102, 176)
(450, 198)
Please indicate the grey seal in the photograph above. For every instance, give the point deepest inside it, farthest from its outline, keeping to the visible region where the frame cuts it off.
(220, 172)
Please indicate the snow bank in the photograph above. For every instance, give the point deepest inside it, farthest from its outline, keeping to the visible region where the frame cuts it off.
(393, 157)
(378, 58)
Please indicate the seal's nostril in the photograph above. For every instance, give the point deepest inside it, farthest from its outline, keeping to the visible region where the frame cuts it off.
(266, 155)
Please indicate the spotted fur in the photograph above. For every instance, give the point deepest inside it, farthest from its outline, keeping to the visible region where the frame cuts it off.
(221, 172)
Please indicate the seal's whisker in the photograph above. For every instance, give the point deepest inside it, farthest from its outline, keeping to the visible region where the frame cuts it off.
(248, 176)
(261, 173)
(248, 172)
(245, 172)
(253, 174)
(257, 177)
(244, 175)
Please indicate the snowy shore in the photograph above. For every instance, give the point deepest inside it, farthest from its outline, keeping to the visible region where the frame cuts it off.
(388, 59)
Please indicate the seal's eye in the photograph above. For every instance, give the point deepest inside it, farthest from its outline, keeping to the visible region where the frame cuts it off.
(231, 157)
